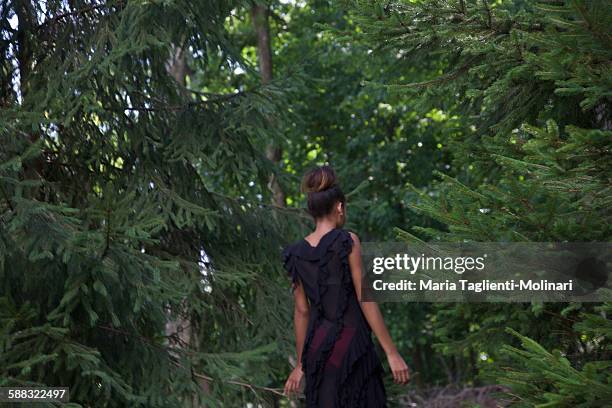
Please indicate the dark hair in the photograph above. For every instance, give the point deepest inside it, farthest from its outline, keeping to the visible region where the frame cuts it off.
(321, 186)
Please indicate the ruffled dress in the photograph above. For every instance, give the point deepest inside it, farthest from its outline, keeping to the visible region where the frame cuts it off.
(340, 363)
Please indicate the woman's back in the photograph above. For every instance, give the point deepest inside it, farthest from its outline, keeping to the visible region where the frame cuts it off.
(341, 365)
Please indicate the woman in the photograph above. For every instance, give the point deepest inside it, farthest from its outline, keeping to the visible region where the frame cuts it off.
(334, 347)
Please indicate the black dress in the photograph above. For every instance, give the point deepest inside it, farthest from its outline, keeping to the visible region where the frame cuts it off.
(341, 366)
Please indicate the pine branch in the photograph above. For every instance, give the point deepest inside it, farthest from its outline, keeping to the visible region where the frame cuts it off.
(252, 387)
(601, 32)
(7, 198)
(67, 14)
(442, 78)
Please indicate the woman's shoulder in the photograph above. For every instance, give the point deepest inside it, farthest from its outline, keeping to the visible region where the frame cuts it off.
(294, 248)
(289, 249)
(330, 239)
(350, 239)
(353, 236)
(347, 235)
(339, 239)
(303, 249)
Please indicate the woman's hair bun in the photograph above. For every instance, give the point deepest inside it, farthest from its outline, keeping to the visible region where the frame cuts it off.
(319, 179)
(321, 186)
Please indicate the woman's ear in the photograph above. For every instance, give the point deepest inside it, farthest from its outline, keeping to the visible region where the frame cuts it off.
(340, 208)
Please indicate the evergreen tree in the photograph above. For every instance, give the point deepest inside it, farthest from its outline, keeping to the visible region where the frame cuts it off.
(533, 163)
(549, 379)
(132, 191)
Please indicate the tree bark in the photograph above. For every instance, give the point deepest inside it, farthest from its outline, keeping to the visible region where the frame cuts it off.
(26, 15)
(260, 15)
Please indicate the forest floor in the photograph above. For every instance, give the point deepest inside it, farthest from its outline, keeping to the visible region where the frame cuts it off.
(454, 397)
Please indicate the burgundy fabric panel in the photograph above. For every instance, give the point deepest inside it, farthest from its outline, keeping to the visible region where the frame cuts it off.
(320, 334)
(341, 347)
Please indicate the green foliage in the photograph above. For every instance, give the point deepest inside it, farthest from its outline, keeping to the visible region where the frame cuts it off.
(531, 84)
(552, 187)
(548, 379)
(377, 141)
(132, 267)
(133, 188)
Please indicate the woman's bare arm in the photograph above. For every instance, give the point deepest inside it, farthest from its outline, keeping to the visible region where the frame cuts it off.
(375, 319)
(301, 313)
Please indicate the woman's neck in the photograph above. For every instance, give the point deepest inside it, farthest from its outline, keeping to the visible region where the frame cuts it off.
(324, 225)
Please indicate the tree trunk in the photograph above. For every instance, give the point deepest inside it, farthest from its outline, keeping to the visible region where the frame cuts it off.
(26, 15)
(260, 16)
(182, 328)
